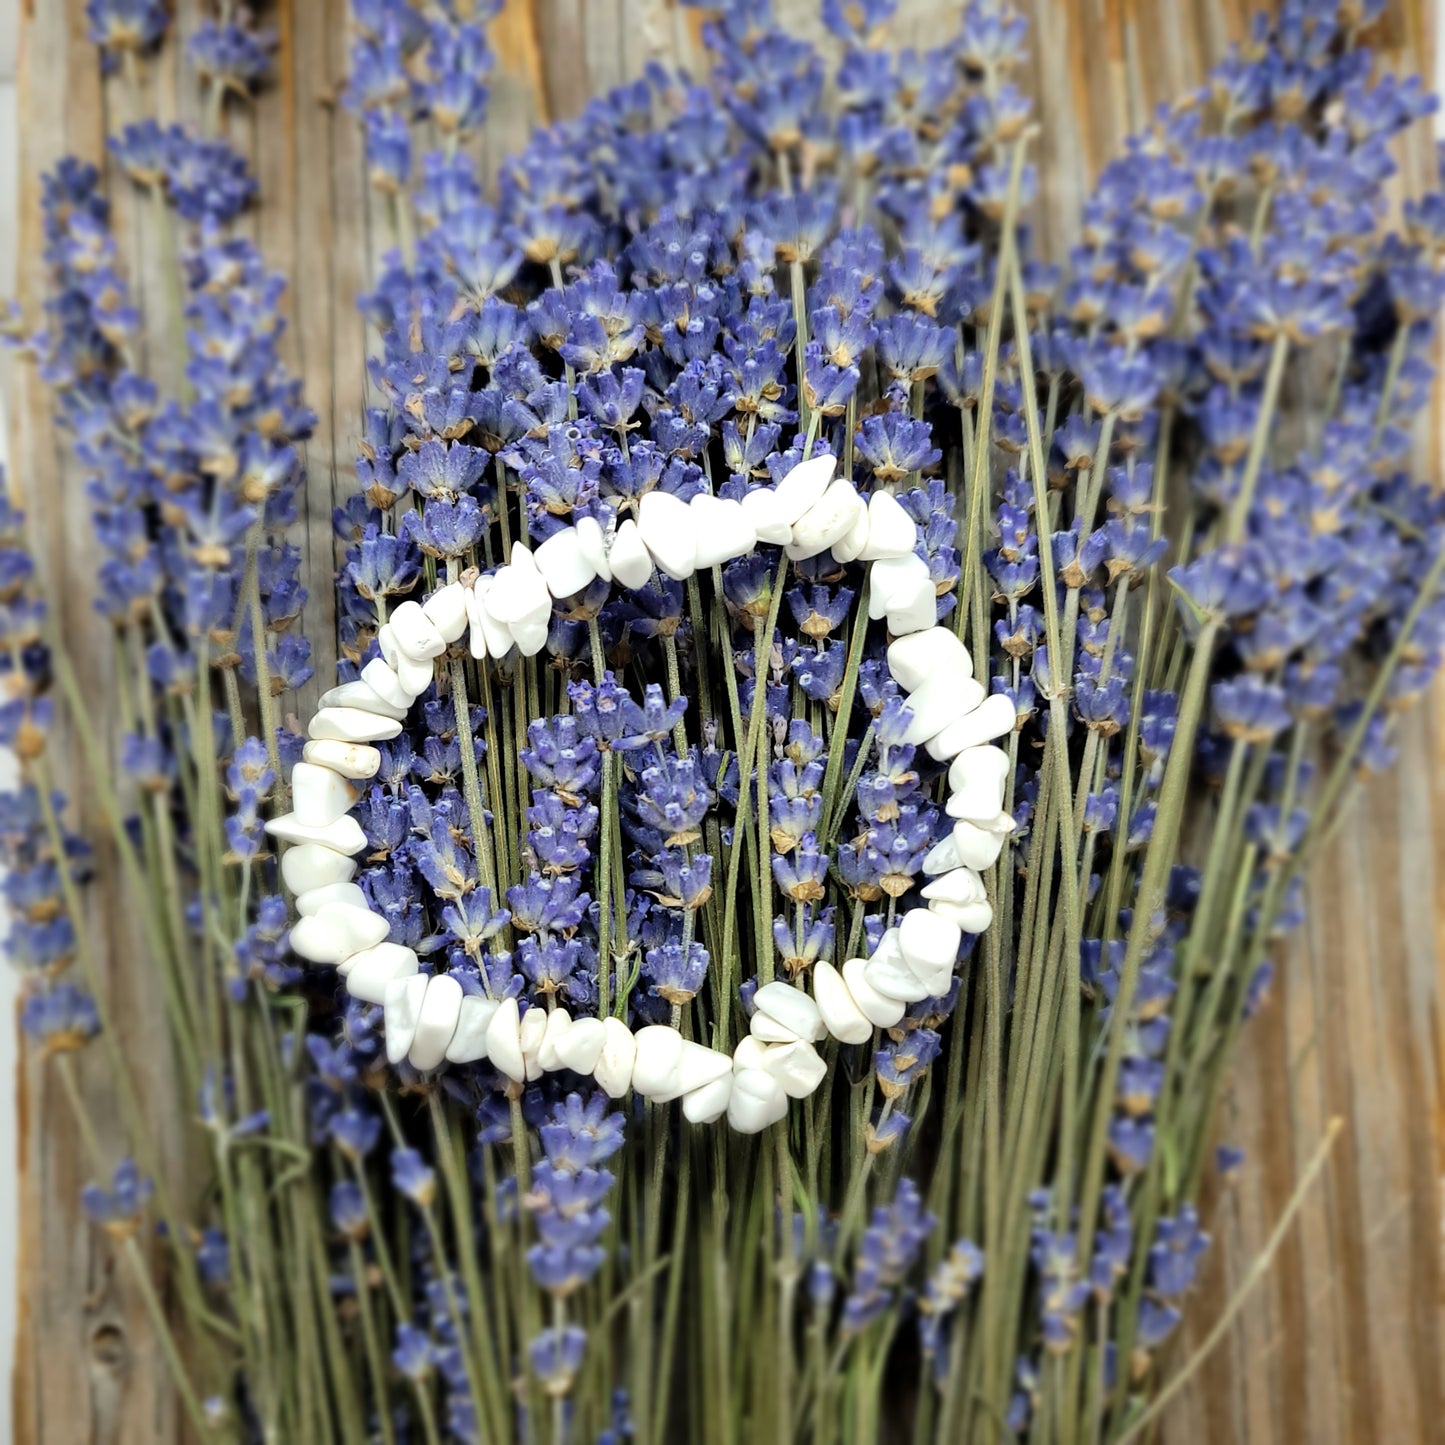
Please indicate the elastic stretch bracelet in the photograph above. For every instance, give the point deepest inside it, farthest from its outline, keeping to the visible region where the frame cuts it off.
(431, 1021)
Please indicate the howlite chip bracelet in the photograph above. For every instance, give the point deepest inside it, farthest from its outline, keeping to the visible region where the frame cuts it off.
(430, 1021)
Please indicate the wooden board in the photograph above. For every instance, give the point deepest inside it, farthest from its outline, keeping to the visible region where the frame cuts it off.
(1343, 1342)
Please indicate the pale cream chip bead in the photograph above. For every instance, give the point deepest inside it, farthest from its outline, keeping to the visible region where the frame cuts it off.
(368, 973)
(342, 836)
(402, 1002)
(441, 1010)
(446, 610)
(613, 1069)
(757, 1101)
(351, 725)
(669, 532)
(504, 1041)
(469, 1041)
(357, 761)
(313, 900)
(416, 636)
(320, 796)
(309, 866)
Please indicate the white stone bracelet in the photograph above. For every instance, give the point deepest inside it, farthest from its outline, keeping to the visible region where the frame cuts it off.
(430, 1021)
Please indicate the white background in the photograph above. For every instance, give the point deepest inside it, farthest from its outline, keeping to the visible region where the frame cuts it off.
(9, 1140)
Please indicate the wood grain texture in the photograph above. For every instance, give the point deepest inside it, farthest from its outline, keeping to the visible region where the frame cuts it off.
(1343, 1342)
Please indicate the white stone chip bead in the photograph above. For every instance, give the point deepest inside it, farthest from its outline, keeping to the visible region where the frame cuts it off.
(970, 917)
(976, 847)
(469, 1042)
(320, 796)
(581, 1046)
(888, 972)
(402, 1003)
(1002, 823)
(517, 586)
(367, 973)
(629, 558)
(504, 1041)
(613, 1069)
(828, 520)
(414, 674)
(519, 597)
(563, 564)
(351, 725)
(342, 836)
(558, 1022)
(416, 636)
(757, 1100)
(386, 640)
(912, 660)
(957, 885)
(722, 529)
(842, 1017)
(381, 678)
(336, 931)
(362, 695)
(313, 865)
(657, 1067)
(792, 1008)
(978, 777)
(977, 804)
(848, 548)
(700, 1066)
(889, 948)
(530, 635)
(446, 610)
(994, 717)
(891, 532)
(985, 760)
(706, 1105)
(351, 760)
(441, 1011)
(917, 613)
(938, 982)
(669, 531)
(804, 486)
(593, 542)
(476, 632)
(930, 943)
(893, 582)
(529, 1039)
(749, 1053)
(765, 515)
(488, 631)
(942, 858)
(881, 1010)
(798, 1067)
(938, 701)
(768, 1030)
(315, 899)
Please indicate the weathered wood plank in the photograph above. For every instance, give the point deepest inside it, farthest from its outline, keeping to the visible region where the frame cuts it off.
(87, 1367)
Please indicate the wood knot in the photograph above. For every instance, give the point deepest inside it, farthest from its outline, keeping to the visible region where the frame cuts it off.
(108, 1347)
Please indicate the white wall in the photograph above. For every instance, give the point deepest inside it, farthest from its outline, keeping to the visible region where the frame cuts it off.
(9, 1140)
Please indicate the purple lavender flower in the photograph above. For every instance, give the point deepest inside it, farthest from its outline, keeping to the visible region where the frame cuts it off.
(889, 1247)
(118, 1210)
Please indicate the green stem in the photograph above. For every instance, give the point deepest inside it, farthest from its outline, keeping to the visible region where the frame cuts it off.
(189, 1399)
(1259, 441)
(1255, 1274)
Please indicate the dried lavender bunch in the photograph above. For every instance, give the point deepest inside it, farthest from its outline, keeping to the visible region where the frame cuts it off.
(192, 474)
(697, 787)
